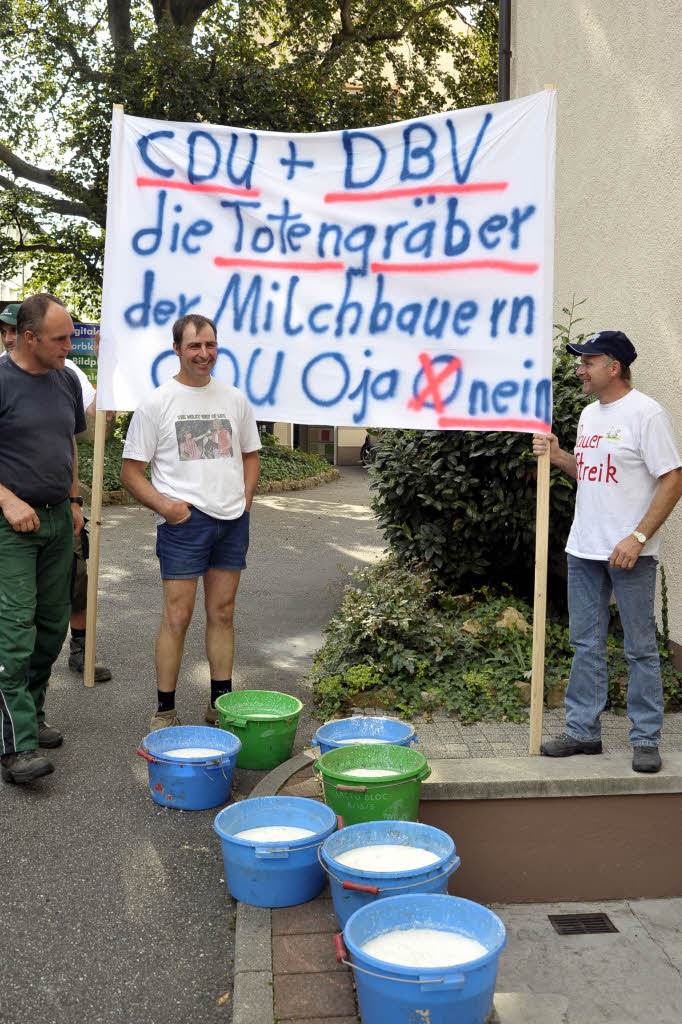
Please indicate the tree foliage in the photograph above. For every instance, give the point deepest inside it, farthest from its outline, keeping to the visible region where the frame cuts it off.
(266, 64)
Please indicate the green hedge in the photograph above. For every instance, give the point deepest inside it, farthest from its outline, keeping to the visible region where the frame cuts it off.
(277, 463)
(463, 503)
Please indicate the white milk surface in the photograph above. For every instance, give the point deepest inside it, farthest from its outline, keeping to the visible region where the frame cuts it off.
(363, 740)
(274, 833)
(369, 773)
(424, 947)
(260, 715)
(193, 752)
(387, 857)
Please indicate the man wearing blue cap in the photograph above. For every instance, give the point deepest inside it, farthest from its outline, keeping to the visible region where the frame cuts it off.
(629, 480)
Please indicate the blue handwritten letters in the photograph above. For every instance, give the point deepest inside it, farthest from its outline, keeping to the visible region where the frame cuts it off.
(398, 275)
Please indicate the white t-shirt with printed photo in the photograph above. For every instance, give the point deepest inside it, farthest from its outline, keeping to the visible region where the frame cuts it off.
(194, 437)
(622, 449)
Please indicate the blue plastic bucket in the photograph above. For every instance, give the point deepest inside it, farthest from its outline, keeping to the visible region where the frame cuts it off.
(193, 783)
(344, 880)
(440, 995)
(384, 730)
(279, 874)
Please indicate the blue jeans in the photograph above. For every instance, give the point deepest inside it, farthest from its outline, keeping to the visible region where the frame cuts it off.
(589, 589)
(189, 549)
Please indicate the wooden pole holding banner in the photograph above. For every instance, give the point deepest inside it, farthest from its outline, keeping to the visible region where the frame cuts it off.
(95, 531)
(537, 682)
(95, 534)
(537, 679)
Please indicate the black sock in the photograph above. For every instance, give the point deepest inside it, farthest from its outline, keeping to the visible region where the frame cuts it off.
(219, 687)
(166, 700)
(77, 634)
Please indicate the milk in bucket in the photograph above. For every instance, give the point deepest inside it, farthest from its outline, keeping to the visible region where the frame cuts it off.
(274, 833)
(389, 857)
(193, 752)
(424, 947)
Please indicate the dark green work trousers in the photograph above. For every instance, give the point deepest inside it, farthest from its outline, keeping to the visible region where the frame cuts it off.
(35, 605)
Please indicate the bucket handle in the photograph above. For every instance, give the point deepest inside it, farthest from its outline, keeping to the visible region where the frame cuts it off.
(241, 723)
(280, 854)
(146, 756)
(373, 890)
(343, 788)
(454, 864)
(339, 822)
(457, 980)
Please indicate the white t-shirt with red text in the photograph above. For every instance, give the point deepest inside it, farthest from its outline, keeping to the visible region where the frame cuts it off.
(194, 438)
(621, 450)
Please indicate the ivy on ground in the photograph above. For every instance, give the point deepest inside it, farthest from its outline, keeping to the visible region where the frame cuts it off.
(401, 642)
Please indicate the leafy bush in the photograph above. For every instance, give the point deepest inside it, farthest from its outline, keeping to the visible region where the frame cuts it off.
(399, 641)
(464, 503)
(277, 462)
(113, 451)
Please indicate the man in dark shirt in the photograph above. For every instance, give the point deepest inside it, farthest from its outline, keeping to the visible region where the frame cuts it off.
(40, 411)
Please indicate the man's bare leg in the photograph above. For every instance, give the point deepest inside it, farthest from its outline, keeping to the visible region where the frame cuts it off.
(220, 589)
(178, 605)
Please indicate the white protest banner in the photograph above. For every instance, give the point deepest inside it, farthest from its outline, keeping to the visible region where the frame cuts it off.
(398, 275)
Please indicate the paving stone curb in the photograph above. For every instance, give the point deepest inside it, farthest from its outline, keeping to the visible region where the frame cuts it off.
(253, 981)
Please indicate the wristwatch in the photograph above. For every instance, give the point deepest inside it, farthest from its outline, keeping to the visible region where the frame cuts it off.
(79, 501)
(639, 536)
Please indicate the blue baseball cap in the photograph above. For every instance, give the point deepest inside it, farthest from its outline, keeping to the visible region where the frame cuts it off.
(607, 343)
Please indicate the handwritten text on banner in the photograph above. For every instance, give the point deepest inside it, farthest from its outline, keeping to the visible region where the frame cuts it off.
(396, 276)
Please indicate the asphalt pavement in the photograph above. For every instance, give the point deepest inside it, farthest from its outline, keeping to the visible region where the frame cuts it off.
(113, 908)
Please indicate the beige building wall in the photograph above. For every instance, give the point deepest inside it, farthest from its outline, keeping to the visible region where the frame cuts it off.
(616, 67)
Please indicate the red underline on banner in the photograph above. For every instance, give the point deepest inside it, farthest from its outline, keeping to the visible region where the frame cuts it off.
(223, 261)
(416, 190)
(509, 266)
(188, 186)
(472, 423)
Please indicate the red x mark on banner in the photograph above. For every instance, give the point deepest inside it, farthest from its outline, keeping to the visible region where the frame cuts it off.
(432, 381)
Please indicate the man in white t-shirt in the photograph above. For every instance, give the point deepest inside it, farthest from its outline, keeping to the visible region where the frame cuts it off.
(201, 491)
(629, 480)
(79, 589)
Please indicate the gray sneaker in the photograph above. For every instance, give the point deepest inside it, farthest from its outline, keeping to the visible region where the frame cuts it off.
(77, 660)
(646, 759)
(49, 736)
(211, 714)
(164, 720)
(25, 766)
(565, 745)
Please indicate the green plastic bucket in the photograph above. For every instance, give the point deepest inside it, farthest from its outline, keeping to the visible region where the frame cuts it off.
(265, 721)
(385, 798)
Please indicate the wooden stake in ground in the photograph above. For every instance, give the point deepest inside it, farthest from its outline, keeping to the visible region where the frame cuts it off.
(96, 514)
(95, 532)
(537, 683)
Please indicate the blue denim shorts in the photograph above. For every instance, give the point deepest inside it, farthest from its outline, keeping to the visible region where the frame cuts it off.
(190, 549)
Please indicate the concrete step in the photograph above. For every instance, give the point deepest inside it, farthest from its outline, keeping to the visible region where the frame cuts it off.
(530, 1008)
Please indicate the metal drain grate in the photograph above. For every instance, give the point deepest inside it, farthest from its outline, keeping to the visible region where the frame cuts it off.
(582, 924)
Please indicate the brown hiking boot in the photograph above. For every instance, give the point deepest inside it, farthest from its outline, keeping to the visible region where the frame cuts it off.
(164, 720)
